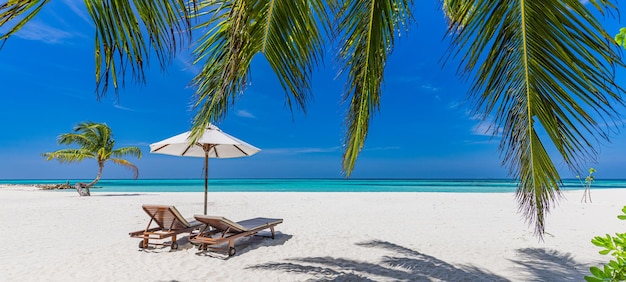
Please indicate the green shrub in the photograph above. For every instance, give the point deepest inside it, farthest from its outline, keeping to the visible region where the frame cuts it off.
(615, 270)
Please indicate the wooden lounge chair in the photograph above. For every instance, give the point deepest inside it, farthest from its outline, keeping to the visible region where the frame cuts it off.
(218, 230)
(170, 223)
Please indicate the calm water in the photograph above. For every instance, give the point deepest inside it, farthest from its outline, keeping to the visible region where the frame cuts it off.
(316, 185)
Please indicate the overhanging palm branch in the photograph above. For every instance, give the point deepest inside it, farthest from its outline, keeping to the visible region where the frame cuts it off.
(367, 36)
(126, 32)
(284, 31)
(22, 10)
(544, 70)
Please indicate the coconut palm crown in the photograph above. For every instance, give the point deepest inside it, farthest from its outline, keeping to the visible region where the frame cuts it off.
(96, 142)
(542, 70)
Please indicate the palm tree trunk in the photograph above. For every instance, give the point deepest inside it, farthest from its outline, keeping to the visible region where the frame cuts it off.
(100, 167)
(80, 189)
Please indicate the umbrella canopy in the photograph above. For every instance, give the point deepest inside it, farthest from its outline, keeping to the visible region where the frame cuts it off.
(214, 143)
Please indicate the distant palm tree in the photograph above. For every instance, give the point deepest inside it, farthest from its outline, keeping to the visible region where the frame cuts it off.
(542, 70)
(96, 142)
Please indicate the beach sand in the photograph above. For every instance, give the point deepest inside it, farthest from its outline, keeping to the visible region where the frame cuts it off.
(59, 236)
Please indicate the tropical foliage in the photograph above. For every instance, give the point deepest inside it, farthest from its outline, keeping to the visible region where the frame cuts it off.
(543, 70)
(587, 185)
(95, 141)
(615, 246)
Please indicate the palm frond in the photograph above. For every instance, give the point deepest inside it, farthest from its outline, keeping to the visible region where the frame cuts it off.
(75, 138)
(292, 44)
(368, 32)
(284, 31)
(128, 165)
(89, 135)
(126, 32)
(620, 37)
(227, 49)
(13, 10)
(131, 151)
(70, 155)
(541, 66)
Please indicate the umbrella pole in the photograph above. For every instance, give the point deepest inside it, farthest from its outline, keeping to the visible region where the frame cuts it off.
(206, 178)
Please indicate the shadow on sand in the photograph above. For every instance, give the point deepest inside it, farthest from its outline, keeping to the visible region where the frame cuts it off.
(246, 244)
(550, 265)
(404, 264)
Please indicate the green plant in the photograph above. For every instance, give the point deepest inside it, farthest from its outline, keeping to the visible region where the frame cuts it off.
(95, 141)
(615, 270)
(587, 184)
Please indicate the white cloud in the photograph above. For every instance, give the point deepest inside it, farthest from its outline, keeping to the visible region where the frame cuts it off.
(429, 87)
(78, 7)
(486, 128)
(186, 62)
(38, 31)
(474, 116)
(118, 106)
(485, 125)
(245, 114)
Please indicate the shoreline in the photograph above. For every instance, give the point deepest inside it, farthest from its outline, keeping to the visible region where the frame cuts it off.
(320, 185)
(381, 236)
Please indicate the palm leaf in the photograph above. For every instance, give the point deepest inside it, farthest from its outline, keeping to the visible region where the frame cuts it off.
(132, 151)
(368, 29)
(284, 31)
(75, 138)
(24, 10)
(126, 32)
(128, 165)
(544, 70)
(70, 155)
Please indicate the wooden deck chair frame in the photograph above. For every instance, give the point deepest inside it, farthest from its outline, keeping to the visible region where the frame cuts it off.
(218, 230)
(169, 224)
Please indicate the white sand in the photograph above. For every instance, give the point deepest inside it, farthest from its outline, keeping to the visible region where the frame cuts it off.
(59, 236)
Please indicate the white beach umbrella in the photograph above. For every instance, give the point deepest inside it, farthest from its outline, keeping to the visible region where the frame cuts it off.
(214, 143)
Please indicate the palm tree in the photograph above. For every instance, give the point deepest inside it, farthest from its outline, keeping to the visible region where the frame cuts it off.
(96, 142)
(543, 70)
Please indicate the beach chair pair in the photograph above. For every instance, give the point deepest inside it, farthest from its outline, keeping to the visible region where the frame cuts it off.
(204, 230)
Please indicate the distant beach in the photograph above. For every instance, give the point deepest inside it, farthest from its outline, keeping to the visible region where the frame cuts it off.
(315, 185)
(365, 236)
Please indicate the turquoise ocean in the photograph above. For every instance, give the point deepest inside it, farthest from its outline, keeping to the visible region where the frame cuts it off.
(316, 185)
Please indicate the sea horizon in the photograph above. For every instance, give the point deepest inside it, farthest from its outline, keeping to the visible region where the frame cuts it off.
(459, 185)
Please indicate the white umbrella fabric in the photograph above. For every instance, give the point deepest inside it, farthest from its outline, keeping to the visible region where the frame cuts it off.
(214, 143)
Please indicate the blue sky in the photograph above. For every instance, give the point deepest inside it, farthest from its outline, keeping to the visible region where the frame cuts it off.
(423, 130)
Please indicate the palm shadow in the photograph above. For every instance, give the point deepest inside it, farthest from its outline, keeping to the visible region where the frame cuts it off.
(550, 265)
(405, 264)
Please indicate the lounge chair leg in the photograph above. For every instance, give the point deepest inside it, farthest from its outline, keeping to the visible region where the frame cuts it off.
(174, 245)
(272, 229)
(231, 248)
